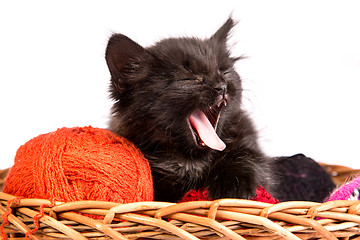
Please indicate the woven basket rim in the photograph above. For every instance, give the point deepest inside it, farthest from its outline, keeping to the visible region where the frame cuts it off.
(229, 218)
(218, 219)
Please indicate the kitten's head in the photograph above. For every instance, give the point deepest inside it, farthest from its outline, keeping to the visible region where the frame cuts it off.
(175, 95)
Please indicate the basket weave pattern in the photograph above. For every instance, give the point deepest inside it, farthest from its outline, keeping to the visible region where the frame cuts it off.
(219, 219)
(230, 218)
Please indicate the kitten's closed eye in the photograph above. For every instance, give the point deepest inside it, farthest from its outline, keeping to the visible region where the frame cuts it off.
(197, 79)
(225, 72)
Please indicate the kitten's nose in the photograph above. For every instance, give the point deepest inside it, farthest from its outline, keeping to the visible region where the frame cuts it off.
(221, 88)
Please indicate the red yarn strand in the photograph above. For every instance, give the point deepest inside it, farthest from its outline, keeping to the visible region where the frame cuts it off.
(5, 216)
(37, 218)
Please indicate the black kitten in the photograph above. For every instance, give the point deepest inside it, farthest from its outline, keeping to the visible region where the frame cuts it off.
(179, 101)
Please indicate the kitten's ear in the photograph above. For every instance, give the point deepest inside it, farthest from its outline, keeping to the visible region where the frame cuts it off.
(221, 37)
(126, 60)
(223, 32)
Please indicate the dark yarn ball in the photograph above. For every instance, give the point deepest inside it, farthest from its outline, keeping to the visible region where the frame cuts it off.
(302, 179)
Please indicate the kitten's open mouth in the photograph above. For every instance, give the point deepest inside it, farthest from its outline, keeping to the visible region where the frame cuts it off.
(203, 124)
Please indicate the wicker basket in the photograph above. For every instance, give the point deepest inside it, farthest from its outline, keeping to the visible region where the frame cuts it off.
(219, 219)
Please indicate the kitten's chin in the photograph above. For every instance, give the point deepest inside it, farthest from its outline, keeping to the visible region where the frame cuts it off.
(203, 125)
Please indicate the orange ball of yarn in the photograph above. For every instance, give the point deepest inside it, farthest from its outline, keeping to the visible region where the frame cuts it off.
(73, 164)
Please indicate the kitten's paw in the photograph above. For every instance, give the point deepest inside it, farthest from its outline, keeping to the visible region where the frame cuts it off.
(225, 186)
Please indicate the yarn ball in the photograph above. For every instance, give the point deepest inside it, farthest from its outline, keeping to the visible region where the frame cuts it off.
(300, 178)
(202, 195)
(348, 191)
(81, 163)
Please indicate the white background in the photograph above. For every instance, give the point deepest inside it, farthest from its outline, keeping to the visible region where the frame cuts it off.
(301, 76)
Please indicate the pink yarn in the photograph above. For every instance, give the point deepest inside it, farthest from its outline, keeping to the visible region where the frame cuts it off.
(348, 191)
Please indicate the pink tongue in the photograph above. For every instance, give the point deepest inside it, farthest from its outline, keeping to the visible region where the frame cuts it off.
(206, 131)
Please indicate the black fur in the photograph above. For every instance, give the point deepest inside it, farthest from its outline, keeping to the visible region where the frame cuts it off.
(157, 88)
